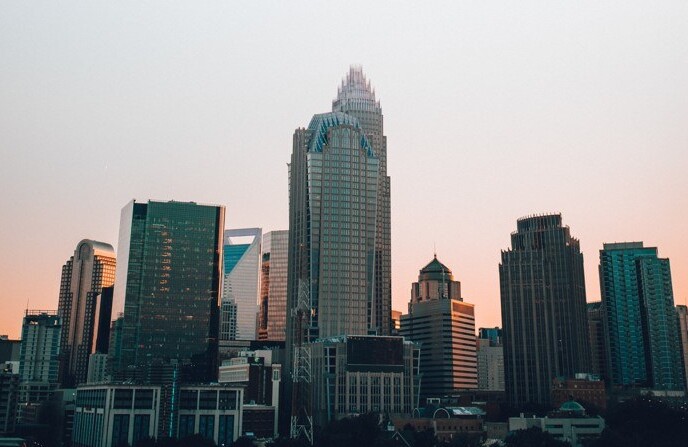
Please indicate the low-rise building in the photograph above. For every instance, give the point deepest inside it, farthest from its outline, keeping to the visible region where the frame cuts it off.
(445, 422)
(585, 388)
(570, 423)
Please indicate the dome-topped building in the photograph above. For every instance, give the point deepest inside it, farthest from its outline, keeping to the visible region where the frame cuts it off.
(435, 281)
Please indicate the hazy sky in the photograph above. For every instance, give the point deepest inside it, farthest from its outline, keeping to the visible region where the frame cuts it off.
(493, 111)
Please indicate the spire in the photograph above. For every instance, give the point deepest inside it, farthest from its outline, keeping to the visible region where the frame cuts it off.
(355, 92)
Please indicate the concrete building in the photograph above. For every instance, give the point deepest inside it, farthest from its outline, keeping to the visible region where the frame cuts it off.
(544, 321)
(640, 318)
(490, 359)
(358, 374)
(168, 283)
(85, 307)
(109, 415)
(272, 321)
(569, 424)
(97, 368)
(240, 288)
(39, 359)
(446, 422)
(444, 327)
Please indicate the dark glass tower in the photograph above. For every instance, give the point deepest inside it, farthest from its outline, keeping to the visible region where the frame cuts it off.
(168, 281)
(640, 318)
(544, 320)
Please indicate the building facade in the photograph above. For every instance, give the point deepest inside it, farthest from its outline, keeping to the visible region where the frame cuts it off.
(490, 359)
(544, 319)
(85, 307)
(272, 321)
(444, 327)
(39, 356)
(598, 341)
(640, 318)
(242, 253)
(682, 312)
(356, 98)
(168, 283)
(358, 374)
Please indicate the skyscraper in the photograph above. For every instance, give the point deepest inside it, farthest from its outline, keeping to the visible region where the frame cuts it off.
(168, 282)
(598, 341)
(490, 355)
(544, 320)
(640, 318)
(682, 312)
(85, 307)
(273, 286)
(241, 282)
(39, 356)
(356, 98)
(444, 326)
(333, 180)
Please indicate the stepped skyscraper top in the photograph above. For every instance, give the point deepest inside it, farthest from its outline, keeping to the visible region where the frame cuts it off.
(355, 93)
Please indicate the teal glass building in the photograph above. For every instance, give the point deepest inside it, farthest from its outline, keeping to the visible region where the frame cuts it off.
(639, 318)
(168, 283)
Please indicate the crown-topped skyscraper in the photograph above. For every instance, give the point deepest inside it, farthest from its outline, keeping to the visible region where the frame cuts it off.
(355, 97)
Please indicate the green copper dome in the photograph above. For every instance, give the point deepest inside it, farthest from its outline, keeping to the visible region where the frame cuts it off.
(435, 270)
(572, 406)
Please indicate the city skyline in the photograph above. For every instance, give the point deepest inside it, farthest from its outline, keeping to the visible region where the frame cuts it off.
(591, 107)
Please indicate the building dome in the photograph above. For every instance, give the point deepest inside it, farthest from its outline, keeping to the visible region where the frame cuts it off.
(572, 406)
(435, 270)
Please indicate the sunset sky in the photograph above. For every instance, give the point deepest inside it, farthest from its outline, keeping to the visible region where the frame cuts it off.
(493, 111)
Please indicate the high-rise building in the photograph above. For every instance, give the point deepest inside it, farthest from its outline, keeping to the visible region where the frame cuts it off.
(168, 282)
(682, 312)
(272, 321)
(241, 283)
(333, 180)
(444, 325)
(356, 98)
(85, 307)
(39, 356)
(598, 342)
(490, 356)
(640, 318)
(544, 322)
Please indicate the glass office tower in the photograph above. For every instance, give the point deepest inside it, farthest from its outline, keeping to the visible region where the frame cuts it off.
(640, 318)
(85, 308)
(168, 283)
(544, 320)
(272, 319)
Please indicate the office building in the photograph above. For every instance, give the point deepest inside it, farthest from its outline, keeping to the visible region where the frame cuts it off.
(85, 307)
(38, 359)
(585, 388)
(118, 414)
(444, 326)
(544, 321)
(241, 283)
(272, 321)
(356, 98)
(445, 422)
(490, 359)
(9, 393)
(682, 312)
(598, 341)
(359, 374)
(168, 283)
(640, 318)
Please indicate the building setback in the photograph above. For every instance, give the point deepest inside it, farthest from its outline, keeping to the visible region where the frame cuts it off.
(444, 327)
(640, 318)
(544, 320)
(168, 283)
(85, 307)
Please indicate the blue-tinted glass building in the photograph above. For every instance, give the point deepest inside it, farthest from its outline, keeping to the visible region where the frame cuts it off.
(639, 317)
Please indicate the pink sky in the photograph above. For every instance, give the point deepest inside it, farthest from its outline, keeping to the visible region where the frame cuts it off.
(493, 111)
